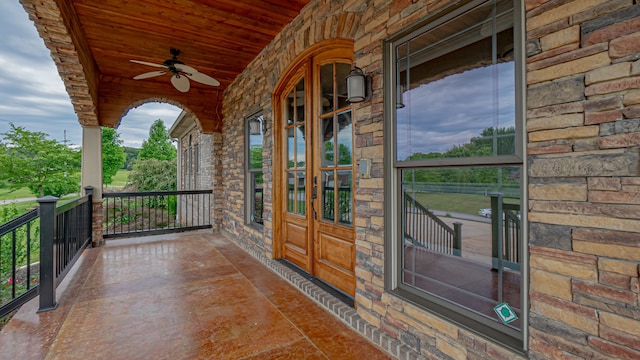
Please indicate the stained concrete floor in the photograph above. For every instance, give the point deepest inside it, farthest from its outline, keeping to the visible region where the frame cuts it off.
(181, 296)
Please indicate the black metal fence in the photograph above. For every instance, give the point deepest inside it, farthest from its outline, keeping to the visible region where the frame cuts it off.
(157, 212)
(344, 204)
(73, 233)
(43, 245)
(19, 261)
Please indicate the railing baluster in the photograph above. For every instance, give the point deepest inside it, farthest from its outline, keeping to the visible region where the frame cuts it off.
(28, 240)
(13, 264)
(193, 207)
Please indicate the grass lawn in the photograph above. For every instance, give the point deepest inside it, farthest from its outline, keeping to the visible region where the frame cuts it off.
(457, 203)
(5, 194)
(25, 206)
(119, 180)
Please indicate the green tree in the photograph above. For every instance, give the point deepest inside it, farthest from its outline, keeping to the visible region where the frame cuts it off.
(490, 142)
(153, 175)
(45, 167)
(132, 155)
(113, 155)
(345, 157)
(158, 146)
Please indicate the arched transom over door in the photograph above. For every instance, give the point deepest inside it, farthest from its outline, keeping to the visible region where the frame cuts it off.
(315, 177)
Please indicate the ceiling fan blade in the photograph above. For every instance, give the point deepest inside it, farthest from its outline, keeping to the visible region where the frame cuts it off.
(149, 75)
(203, 78)
(181, 83)
(147, 63)
(186, 68)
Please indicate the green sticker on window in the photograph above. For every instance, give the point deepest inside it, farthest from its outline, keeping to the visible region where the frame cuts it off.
(505, 313)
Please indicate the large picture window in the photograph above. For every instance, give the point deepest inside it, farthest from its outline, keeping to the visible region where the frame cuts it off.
(458, 167)
(255, 182)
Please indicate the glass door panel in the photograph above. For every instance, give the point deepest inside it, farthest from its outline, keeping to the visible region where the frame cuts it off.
(344, 199)
(296, 150)
(345, 139)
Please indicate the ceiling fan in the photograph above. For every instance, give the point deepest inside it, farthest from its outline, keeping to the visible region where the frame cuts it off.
(180, 73)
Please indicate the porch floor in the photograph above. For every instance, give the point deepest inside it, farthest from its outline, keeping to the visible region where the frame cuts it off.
(182, 296)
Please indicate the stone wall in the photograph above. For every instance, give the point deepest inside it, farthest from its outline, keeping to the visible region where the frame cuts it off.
(584, 195)
(204, 173)
(583, 170)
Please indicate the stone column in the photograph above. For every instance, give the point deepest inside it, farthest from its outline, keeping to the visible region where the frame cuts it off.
(218, 203)
(92, 175)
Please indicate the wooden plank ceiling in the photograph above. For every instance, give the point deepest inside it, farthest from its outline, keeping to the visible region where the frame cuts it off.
(217, 37)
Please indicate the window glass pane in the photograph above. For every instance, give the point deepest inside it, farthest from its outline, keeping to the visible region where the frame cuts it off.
(299, 101)
(326, 88)
(462, 233)
(345, 139)
(301, 193)
(345, 198)
(327, 195)
(185, 170)
(301, 147)
(458, 89)
(327, 139)
(255, 142)
(342, 70)
(290, 108)
(291, 149)
(196, 165)
(291, 191)
(258, 197)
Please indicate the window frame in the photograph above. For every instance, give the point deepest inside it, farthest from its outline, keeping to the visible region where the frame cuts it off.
(250, 203)
(196, 165)
(516, 340)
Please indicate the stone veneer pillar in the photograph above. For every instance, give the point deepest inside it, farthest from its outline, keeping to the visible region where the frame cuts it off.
(92, 176)
(218, 207)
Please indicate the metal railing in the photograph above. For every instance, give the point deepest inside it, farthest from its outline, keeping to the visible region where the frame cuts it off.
(65, 231)
(57, 242)
(505, 231)
(425, 229)
(19, 266)
(344, 204)
(155, 212)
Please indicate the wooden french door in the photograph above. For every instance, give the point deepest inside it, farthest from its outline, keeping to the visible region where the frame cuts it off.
(317, 171)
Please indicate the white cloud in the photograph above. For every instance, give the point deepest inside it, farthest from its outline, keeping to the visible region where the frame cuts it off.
(134, 127)
(450, 111)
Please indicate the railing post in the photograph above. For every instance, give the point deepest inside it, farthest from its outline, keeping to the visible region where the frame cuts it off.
(47, 287)
(89, 191)
(496, 230)
(457, 238)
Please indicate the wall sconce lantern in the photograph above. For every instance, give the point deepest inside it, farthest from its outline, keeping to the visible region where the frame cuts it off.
(358, 86)
(399, 96)
(254, 126)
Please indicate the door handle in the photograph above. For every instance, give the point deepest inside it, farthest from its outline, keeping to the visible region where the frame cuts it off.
(314, 195)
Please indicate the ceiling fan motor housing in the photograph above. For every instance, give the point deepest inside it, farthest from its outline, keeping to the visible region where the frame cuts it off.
(171, 63)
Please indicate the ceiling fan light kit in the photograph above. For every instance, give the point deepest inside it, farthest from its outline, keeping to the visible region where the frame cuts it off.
(180, 73)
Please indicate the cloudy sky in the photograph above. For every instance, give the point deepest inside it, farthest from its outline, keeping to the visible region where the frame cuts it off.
(450, 111)
(32, 94)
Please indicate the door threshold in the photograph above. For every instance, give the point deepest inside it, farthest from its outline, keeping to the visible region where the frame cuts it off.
(337, 293)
